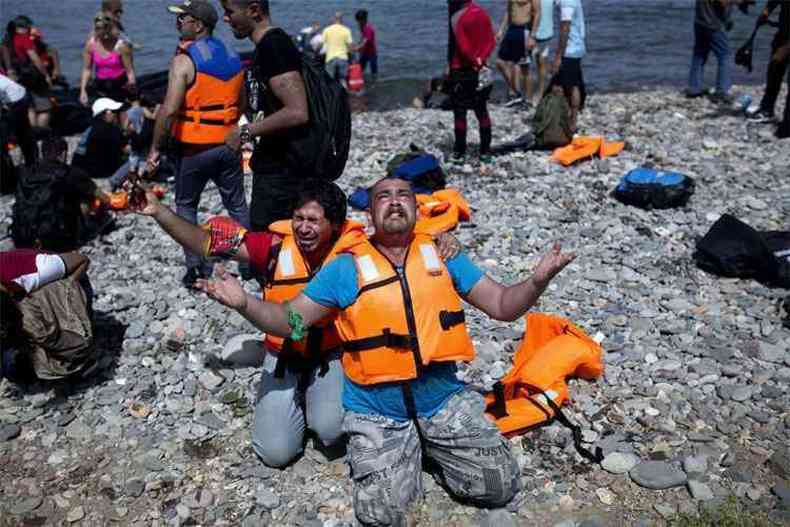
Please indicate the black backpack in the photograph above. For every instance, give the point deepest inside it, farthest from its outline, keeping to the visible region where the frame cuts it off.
(320, 149)
(46, 208)
(733, 249)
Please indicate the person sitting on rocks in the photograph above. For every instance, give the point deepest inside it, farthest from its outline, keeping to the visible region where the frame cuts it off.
(401, 321)
(46, 330)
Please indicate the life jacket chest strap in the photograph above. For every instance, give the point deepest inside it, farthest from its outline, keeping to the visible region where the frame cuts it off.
(387, 339)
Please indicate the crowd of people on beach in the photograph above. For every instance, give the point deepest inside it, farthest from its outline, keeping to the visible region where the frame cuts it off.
(362, 332)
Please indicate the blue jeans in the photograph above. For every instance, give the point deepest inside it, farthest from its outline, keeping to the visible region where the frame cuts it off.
(222, 166)
(286, 406)
(373, 60)
(705, 41)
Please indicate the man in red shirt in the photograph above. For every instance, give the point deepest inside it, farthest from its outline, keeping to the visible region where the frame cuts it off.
(471, 41)
(367, 49)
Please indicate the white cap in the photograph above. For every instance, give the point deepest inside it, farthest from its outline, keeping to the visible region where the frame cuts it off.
(104, 104)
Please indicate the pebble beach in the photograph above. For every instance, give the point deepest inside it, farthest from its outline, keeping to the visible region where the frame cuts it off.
(692, 410)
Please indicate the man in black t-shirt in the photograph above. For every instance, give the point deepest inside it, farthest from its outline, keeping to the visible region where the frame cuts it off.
(277, 90)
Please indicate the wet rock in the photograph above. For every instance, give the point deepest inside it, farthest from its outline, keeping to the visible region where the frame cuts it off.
(498, 518)
(25, 505)
(657, 475)
(619, 463)
(9, 432)
(134, 488)
(699, 490)
(266, 498)
(75, 514)
(779, 462)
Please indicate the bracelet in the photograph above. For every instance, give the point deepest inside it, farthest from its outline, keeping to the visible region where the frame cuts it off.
(296, 323)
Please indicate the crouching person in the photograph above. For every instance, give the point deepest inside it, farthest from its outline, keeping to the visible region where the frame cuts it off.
(284, 258)
(47, 328)
(401, 321)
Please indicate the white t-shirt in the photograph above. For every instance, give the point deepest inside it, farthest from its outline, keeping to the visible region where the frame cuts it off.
(571, 11)
(49, 268)
(10, 91)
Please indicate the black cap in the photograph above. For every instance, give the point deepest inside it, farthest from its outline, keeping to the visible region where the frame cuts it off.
(200, 9)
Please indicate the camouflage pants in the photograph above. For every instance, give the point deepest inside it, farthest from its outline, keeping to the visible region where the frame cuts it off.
(471, 458)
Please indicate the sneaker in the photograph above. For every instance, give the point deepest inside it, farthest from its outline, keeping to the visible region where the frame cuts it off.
(694, 95)
(191, 277)
(514, 100)
(722, 98)
(457, 158)
(761, 116)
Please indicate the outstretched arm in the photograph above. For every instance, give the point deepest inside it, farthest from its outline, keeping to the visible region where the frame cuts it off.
(510, 303)
(190, 236)
(291, 319)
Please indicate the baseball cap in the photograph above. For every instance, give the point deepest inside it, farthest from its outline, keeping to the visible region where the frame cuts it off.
(104, 104)
(200, 9)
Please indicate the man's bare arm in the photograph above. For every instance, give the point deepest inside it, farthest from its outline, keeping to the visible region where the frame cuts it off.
(510, 303)
(178, 78)
(289, 89)
(73, 260)
(283, 320)
(565, 28)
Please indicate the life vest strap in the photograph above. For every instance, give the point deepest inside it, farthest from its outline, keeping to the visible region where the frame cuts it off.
(289, 281)
(575, 429)
(188, 119)
(376, 285)
(449, 319)
(498, 408)
(387, 339)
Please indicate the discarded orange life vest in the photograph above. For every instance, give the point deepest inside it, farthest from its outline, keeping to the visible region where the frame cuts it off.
(211, 104)
(401, 322)
(586, 147)
(291, 275)
(356, 79)
(441, 211)
(552, 350)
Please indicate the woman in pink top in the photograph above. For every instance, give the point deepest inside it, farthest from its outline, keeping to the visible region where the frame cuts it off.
(111, 57)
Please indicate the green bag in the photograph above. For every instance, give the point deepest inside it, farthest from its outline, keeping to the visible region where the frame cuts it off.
(551, 124)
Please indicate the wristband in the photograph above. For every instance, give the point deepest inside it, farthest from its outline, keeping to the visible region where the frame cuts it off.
(296, 323)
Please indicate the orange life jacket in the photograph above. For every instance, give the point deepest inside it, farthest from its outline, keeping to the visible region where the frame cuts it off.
(403, 321)
(552, 350)
(585, 147)
(211, 104)
(441, 211)
(356, 79)
(291, 275)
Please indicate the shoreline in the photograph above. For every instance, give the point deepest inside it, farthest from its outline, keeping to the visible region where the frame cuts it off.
(697, 367)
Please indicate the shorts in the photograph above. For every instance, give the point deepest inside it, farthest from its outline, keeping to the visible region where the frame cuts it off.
(337, 69)
(514, 45)
(570, 76)
(541, 50)
(42, 102)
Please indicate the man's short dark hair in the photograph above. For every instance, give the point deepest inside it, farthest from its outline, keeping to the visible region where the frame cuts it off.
(263, 4)
(362, 16)
(53, 148)
(331, 198)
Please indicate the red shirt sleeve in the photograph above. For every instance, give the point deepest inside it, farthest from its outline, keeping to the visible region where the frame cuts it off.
(259, 248)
